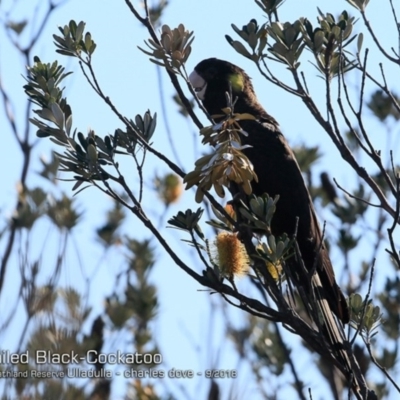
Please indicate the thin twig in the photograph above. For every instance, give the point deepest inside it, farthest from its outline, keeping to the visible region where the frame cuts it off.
(331, 113)
(383, 369)
(196, 245)
(355, 197)
(397, 24)
(271, 78)
(371, 152)
(165, 117)
(304, 82)
(345, 152)
(24, 144)
(394, 253)
(376, 40)
(365, 303)
(139, 167)
(383, 87)
(297, 382)
(147, 23)
(96, 87)
(342, 83)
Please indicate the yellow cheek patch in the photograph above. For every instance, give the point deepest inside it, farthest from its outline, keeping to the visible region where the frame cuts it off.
(237, 82)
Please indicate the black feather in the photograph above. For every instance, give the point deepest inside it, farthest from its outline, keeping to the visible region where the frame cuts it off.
(279, 174)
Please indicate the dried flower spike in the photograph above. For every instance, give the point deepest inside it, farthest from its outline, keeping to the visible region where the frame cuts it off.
(231, 256)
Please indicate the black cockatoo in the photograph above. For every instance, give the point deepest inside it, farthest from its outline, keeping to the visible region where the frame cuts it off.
(278, 174)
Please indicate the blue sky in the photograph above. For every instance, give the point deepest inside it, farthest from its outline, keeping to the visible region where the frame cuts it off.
(131, 82)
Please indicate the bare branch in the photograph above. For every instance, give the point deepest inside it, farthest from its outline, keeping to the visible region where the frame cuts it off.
(394, 252)
(355, 197)
(345, 152)
(147, 23)
(383, 369)
(376, 40)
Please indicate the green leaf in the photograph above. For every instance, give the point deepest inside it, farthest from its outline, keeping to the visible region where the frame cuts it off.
(360, 41)
(58, 115)
(79, 31)
(68, 124)
(92, 153)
